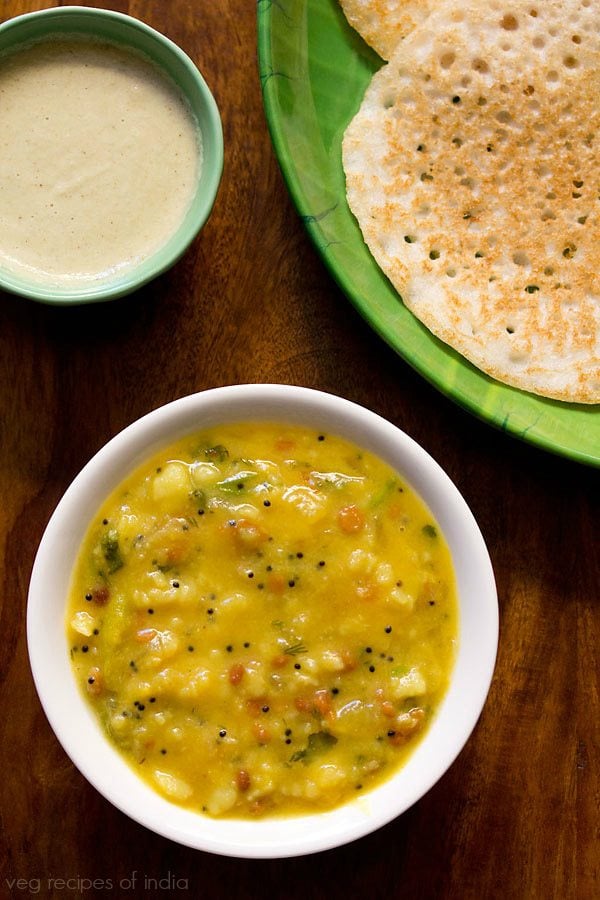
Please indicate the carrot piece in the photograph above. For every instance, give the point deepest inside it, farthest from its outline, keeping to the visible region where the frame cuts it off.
(351, 519)
(407, 724)
(302, 704)
(283, 444)
(349, 660)
(100, 595)
(260, 805)
(236, 673)
(247, 535)
(322, 703)
(145, 635)
(262, 734)
(387, 709)
(177, 552)
(276, 583)
(242, 780)
(280, 661)
(254, 705)
(395, 510)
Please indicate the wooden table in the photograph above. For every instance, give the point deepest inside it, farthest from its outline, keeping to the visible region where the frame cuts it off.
(517, 815)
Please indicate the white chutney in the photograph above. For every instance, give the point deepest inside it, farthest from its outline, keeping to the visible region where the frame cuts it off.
(100, 158)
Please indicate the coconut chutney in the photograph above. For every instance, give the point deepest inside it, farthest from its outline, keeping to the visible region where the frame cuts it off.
(99, 161)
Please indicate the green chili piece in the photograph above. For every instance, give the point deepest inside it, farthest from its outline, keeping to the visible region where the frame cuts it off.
(111, 550)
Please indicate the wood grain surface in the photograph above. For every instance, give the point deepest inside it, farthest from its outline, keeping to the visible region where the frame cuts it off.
(518, 814)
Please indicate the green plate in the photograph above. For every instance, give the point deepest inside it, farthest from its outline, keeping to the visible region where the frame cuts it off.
(314, 70)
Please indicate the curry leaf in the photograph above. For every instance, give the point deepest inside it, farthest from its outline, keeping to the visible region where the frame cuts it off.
(318, 743)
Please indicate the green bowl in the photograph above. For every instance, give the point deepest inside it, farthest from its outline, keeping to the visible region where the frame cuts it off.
(125, 31)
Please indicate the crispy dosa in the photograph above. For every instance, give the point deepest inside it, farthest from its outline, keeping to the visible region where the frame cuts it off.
(472, 169)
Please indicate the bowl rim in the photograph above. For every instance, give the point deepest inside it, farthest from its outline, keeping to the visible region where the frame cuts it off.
(75, 725)
(57, 20)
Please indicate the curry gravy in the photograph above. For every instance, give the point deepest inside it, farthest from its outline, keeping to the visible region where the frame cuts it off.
(264, 619)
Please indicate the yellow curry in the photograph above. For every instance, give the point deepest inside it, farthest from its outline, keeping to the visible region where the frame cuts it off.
(264, 618)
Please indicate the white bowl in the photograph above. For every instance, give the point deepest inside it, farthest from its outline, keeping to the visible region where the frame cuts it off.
(74, 722)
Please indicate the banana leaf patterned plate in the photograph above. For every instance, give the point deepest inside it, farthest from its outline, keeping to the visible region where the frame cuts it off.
(314, 70)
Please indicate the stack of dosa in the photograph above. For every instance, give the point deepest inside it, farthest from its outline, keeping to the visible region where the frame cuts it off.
(472, 169)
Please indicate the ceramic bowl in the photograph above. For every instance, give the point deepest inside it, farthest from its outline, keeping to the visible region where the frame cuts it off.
(130, 33)
(75, 723)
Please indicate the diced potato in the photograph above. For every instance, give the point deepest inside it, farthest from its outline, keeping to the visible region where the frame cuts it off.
(145, 583)
(118, 724)
(174, 787)
(309, 665)
(352, 718)
(263, 782)
(128, 527)
(203, 473)
(255, 680)
(384, 573)
(292, 789)
(163, 646)
(168, 682)
(410, 685)
(242, 511)
(311, 789)
(173, 481)
(175, 734)
(83, 623)
(270, 472)
(199, 682)
(221, 799)
(306, 501)
(402, 598)
(361, 561)
(370, 766)
(235, 604)
(328, 776)
(332, 661)
(156, 590)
